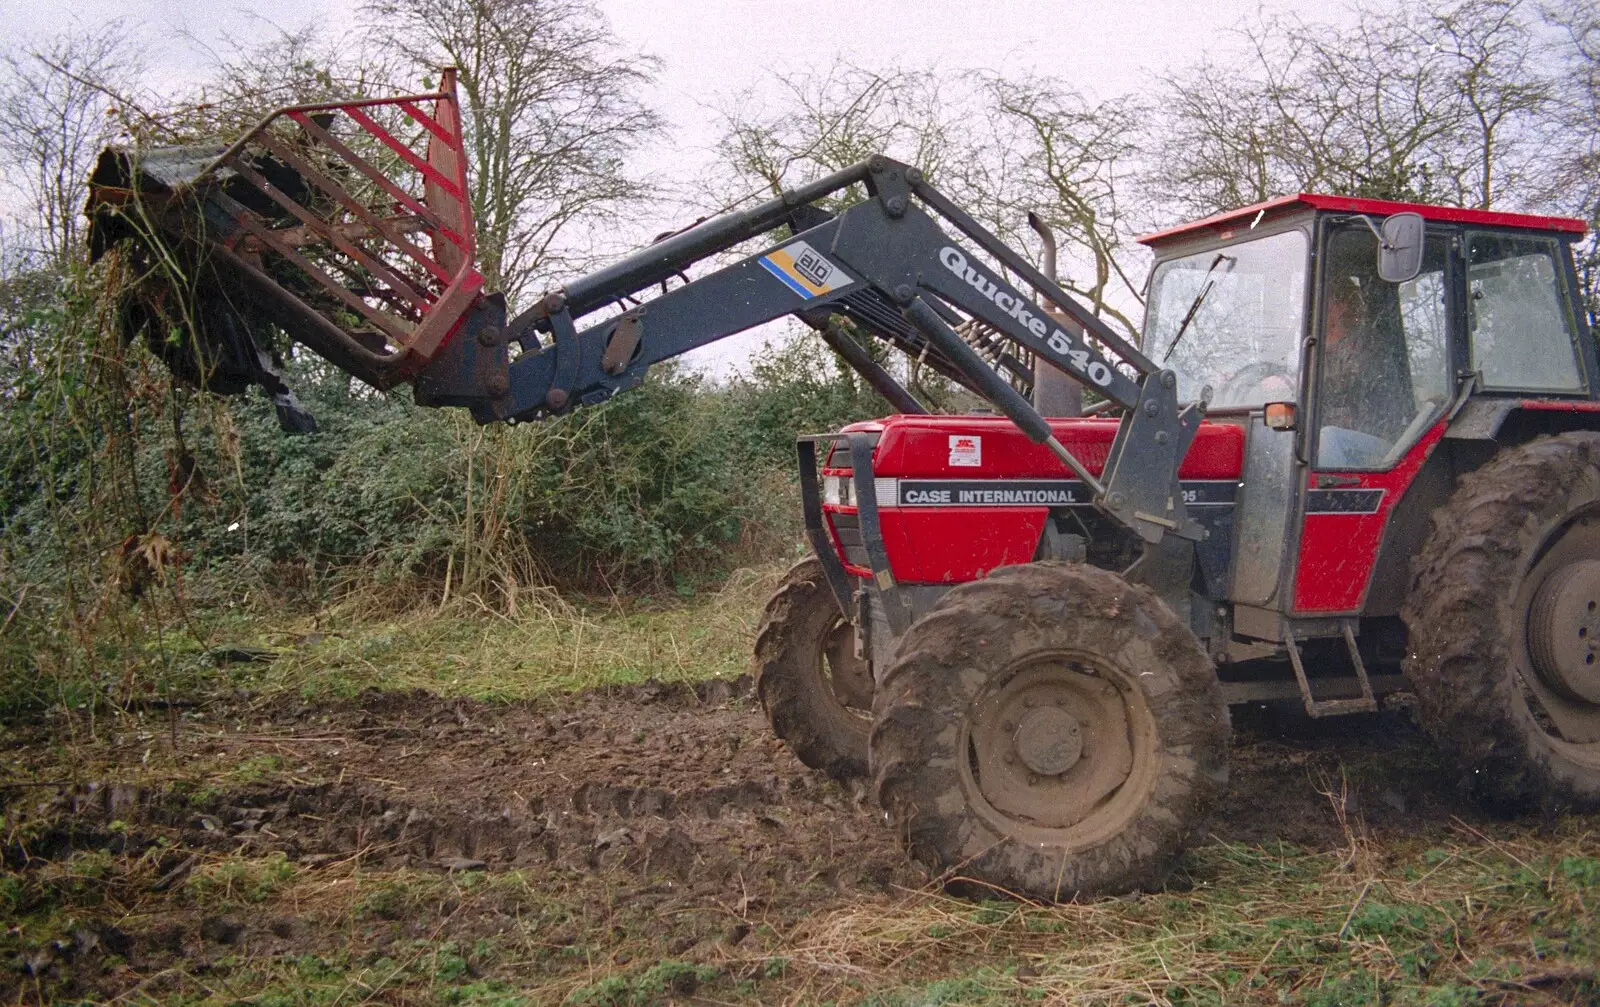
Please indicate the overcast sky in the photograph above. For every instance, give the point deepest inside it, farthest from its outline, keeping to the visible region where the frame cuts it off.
(716, 47)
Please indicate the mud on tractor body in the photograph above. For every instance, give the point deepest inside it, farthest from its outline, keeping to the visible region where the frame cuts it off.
(1356, 452)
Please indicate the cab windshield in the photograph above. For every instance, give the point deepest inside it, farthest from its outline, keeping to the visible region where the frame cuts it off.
(1232, 318)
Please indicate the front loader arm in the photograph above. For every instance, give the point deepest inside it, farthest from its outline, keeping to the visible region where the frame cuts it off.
(884, 252)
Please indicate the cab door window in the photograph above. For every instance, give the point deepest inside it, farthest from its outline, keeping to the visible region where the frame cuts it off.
(1385, 369)
(1520, 330)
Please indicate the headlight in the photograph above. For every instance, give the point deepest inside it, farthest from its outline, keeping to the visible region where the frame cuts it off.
(836, 490)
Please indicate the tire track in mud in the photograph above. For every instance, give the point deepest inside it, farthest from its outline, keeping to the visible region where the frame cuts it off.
(666, 780)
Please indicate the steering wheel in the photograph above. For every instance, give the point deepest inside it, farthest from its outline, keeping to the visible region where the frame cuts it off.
(1234, 391)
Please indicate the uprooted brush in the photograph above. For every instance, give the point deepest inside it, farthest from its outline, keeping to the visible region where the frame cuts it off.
(345, 226)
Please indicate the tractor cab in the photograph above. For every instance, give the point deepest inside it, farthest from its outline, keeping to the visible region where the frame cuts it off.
(1349, 351)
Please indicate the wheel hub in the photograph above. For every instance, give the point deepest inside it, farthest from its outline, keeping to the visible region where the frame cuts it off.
(849, 675)
(1052, 744)
(1048, 740)
(1564, 631)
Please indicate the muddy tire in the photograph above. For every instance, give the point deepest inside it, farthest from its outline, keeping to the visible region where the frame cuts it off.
(1501, 612)
(1052, 731)
(817, 694)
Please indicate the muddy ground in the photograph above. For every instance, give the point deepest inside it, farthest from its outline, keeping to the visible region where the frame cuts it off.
(663, 812)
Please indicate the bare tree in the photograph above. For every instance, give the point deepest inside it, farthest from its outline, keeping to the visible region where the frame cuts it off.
(552, 107)
(1489, 51)
(808, 124)
(1571, 183)
(1043, 147)
(57, 109)
(1214, 144)
(1435, 101)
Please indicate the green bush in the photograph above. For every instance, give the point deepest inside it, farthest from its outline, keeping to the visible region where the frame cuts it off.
(130, 506)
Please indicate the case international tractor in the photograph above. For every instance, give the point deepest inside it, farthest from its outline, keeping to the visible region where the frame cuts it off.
(1357, 451)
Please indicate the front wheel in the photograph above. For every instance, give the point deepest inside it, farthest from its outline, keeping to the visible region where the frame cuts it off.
(1052, 731)
(816, 691)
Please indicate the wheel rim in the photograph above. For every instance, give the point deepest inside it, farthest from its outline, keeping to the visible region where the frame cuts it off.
(1561, 684)
(846, 677)
(1061, 751)
(1564, 631)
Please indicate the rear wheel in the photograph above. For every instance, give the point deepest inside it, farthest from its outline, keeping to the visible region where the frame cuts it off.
(817, 693)
(1050, 731)
(1504, 621)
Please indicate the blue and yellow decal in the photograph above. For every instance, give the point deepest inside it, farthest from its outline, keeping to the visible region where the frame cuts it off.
(805, 271)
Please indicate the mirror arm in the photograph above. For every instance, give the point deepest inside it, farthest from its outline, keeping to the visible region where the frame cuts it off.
(1382, 241)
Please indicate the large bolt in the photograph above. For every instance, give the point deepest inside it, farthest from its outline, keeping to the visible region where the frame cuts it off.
(553, 302)
(489, 336)
(896, 205)
(904, 294)
(1169, 379)
(914, 176)
(555, 398)
(1152, 407)
(877, 162)
(497, 386)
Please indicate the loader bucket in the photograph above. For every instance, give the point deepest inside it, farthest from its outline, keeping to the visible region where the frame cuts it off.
(345, 226)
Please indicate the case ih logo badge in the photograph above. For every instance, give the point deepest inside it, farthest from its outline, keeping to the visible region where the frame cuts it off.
(804, 270)
(966, 451)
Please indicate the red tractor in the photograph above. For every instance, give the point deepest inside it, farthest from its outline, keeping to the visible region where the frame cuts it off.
(1356, 451)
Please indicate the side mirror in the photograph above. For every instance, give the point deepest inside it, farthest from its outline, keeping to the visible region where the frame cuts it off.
(1280, 415)
(1400, 247)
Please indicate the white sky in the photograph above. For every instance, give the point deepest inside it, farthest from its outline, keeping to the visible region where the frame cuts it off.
(717, 47)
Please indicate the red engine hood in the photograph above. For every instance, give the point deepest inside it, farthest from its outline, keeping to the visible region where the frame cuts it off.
(991, 447)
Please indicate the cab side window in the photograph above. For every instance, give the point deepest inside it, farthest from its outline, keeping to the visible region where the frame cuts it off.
(1521, 333)
(1385, 370)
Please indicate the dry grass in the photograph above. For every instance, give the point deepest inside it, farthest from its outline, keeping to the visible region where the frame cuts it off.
(1467, 919)
(469, 647)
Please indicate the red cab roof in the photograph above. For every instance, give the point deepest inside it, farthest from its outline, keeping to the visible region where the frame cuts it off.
(1376, 207)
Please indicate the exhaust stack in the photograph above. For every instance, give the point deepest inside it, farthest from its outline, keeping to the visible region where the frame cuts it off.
(1054, 392)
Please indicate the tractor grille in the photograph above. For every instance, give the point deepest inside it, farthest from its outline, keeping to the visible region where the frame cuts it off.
(838, 457)
(847, 528)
